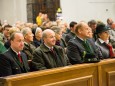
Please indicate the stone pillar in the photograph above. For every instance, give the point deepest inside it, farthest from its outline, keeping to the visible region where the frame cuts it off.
(30, 14)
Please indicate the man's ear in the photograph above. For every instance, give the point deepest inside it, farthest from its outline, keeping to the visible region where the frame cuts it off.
(79, 30)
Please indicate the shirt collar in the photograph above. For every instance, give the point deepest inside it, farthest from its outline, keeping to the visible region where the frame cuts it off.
(103, 41)
(48, 46)
(81, 38)
(15, 51)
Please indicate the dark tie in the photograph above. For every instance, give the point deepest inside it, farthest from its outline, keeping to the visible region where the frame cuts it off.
(56, 58)
(87, 47)
(52, 51)
(19, 57)
(111, 53)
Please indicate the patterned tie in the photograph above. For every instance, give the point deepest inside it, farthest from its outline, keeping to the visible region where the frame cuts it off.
(19, 57)
(111, 53)
(51, 49)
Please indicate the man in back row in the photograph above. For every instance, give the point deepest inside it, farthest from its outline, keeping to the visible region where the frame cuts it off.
(13, 61)
(71, 34)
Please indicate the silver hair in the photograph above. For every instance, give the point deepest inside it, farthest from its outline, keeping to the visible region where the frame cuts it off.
(37, 30)
(25, 31)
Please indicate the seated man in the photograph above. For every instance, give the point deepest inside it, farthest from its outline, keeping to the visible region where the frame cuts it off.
(58, 34)
(112, 34)
(28, 39)
(80, 49)
(48, 55)
(13, 61)
(71, 34)
(37, 37)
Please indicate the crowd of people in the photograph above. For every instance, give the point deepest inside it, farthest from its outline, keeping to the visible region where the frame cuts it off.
(27, 47)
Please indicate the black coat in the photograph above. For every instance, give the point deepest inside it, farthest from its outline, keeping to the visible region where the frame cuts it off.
(69, 36)
(75, 50)
(44, 59)
(10, 65)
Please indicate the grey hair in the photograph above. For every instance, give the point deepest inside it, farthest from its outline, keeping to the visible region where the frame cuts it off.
(56, 29)
(25, 31)
(37, 30)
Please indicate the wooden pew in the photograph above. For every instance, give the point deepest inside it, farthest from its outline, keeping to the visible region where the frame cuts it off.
(92, 74)
(106, 73)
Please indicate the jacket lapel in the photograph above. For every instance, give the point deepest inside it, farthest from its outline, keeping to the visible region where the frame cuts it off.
(15, 57)
(24, 62)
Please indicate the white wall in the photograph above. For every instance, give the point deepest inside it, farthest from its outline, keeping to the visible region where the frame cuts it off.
(85, 10)
(13, 10)
(73, 10)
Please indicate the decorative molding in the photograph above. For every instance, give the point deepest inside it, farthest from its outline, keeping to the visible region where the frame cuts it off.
(72, 82)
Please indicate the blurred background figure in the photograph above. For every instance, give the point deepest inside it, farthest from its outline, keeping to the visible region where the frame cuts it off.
(39, 19)
(12, 30)
(93, 24)
(59, 40)
(112, 34)
(6, 33)
(109, 22)
(37, 37)
(71, 34)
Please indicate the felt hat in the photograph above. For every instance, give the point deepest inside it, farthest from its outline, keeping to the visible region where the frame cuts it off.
(101, 28)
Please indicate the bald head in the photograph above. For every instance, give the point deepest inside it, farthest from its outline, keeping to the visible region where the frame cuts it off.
(46, 33)
(48, 37)
(113, 26)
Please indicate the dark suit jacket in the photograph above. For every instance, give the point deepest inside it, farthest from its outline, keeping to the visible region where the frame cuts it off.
(28, 50)
(75, 50)
(36, 43)
(10, 65)
(44, 59)
(104, 49)
(69, 36)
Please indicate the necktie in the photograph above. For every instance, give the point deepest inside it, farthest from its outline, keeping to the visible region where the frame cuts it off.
(87, 47)
(111, 53)
(19, 57)
(51, 49)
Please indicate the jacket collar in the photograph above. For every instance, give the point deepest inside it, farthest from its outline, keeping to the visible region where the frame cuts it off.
(45, 48)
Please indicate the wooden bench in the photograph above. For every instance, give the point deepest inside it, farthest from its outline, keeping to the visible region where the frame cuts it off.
(90, 74)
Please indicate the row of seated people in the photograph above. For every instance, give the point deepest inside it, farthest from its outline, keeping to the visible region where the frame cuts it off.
(50, 52)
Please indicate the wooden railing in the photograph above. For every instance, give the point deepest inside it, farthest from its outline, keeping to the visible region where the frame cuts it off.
(90, 74)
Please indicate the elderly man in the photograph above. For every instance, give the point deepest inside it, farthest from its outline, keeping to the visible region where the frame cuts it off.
(37, 38)
(48, 55)
(14, 61)
(80, 49)
(28, 38)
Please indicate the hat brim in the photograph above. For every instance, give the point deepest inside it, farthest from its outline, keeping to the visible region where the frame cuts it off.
(103, 30)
